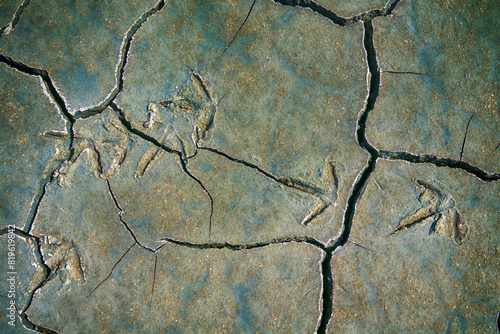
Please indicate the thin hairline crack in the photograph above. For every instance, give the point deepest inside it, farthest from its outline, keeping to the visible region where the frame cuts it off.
(358, 185)
(213, 246)
(182, 161)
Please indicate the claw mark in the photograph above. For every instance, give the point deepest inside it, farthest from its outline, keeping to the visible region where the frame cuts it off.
(147, 159)
(150, 156)
(106, 154)
(324, 197)
(195, 104)
(451, 225)
(199, 84)
(465, 137)
(417, 217)
(377, 184)
(437, 206)
(361, 246)
(152, 116)
(113, 268)
(60, 256)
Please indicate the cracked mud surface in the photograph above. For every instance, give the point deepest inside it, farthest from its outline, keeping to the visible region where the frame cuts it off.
(262, 166)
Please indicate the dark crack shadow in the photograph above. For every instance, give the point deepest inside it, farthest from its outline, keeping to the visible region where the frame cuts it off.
(15, 18)
(70, 120)
(122, 62)
(180, 155)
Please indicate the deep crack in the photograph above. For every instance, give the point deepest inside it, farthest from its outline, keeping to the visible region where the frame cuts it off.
(339, 20)
(60, 103)
(374, 81)
(15, 18)
(440, 162)
(360, 182)
(237, 247)
(122, 62)
(37, 252)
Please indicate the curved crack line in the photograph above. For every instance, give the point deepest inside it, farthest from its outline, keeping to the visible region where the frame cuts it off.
(339, 20)
(15, 18)
(182, 161)
(322, 201)
(58, 100)
(184, 168)
(361, 136)
(26, 322)
(238, 247)
(214, 245)
(359, 184)
(440, 162)
(121, 212)
(237, 31)
(122, 62)
(44, 75)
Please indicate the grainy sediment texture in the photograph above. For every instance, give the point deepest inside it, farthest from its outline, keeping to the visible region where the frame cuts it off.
(259, 166)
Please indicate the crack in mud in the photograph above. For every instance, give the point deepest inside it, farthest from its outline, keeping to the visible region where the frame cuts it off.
(124, 223)
(122, 62)
(37, 252)
(182, 161)
(359, 184)
(465, 137)
(339, 20)
(70, 120)
(15, 18)
(440, 162)
(237, 31)
(113, 268)
(237, 247)
(212, 245)
(374, 81)
(404, 72)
